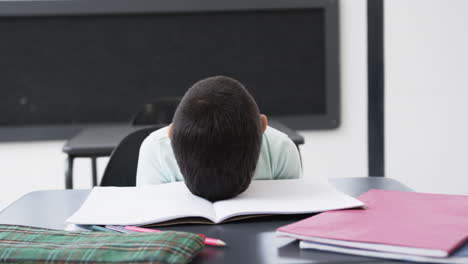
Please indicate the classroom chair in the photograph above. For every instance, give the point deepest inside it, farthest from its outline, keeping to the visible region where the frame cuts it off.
(122, 165)
(158, 112)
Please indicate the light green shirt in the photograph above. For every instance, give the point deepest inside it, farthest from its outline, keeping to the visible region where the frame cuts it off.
(279, 159)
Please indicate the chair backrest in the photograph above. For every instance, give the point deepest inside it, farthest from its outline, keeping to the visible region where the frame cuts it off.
(158, 112)
(122, 165)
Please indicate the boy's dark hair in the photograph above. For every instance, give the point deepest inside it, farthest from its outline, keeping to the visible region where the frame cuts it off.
(216, 138)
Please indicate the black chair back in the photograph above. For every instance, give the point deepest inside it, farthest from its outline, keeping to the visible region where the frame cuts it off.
(158, 112)
(122, 166)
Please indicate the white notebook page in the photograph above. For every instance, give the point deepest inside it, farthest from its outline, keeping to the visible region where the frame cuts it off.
(284, 197)
(141, 205)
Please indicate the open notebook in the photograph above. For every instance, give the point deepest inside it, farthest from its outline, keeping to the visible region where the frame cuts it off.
(173, 201)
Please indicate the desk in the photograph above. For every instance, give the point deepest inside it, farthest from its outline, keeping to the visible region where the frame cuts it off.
(249, 241)
(100, 141)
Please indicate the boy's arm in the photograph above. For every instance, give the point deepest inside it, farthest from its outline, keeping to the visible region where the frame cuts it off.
(288, 162)
(149, 169)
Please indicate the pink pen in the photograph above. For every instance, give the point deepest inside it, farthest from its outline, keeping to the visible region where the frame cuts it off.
(208, 240)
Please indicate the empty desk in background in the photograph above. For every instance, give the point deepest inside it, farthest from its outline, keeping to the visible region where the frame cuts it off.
(249, 241)
(100, 141)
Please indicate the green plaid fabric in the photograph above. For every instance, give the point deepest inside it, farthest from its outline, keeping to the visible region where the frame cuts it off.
(23, 244)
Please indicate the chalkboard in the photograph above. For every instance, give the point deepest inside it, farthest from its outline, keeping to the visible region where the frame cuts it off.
(90, 68)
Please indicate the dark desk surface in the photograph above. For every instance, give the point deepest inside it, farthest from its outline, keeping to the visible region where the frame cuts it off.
(101, 140)
(249, 241)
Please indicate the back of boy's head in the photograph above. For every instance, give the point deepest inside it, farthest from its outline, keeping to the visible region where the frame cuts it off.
(216, 138)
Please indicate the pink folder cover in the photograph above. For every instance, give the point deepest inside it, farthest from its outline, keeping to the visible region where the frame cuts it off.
(410, 219)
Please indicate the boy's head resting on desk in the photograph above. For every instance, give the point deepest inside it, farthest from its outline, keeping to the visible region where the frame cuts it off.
(216, 136)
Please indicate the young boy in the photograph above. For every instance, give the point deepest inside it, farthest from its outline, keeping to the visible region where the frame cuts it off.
(217, 143)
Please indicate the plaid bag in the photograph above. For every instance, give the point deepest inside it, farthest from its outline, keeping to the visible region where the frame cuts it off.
(25, 244)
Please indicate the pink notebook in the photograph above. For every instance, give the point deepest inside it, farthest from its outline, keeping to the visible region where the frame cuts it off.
(400, 222)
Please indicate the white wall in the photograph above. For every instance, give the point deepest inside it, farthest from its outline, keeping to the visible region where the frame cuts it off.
(343, 152)
(426, 124)
(30, 166)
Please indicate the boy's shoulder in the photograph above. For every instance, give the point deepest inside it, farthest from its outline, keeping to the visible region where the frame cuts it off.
(279, 158)
(277, 143)
(159, 135)
(274, 135)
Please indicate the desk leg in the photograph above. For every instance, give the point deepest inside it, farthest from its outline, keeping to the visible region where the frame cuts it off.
(69, 172)
(94, 168)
